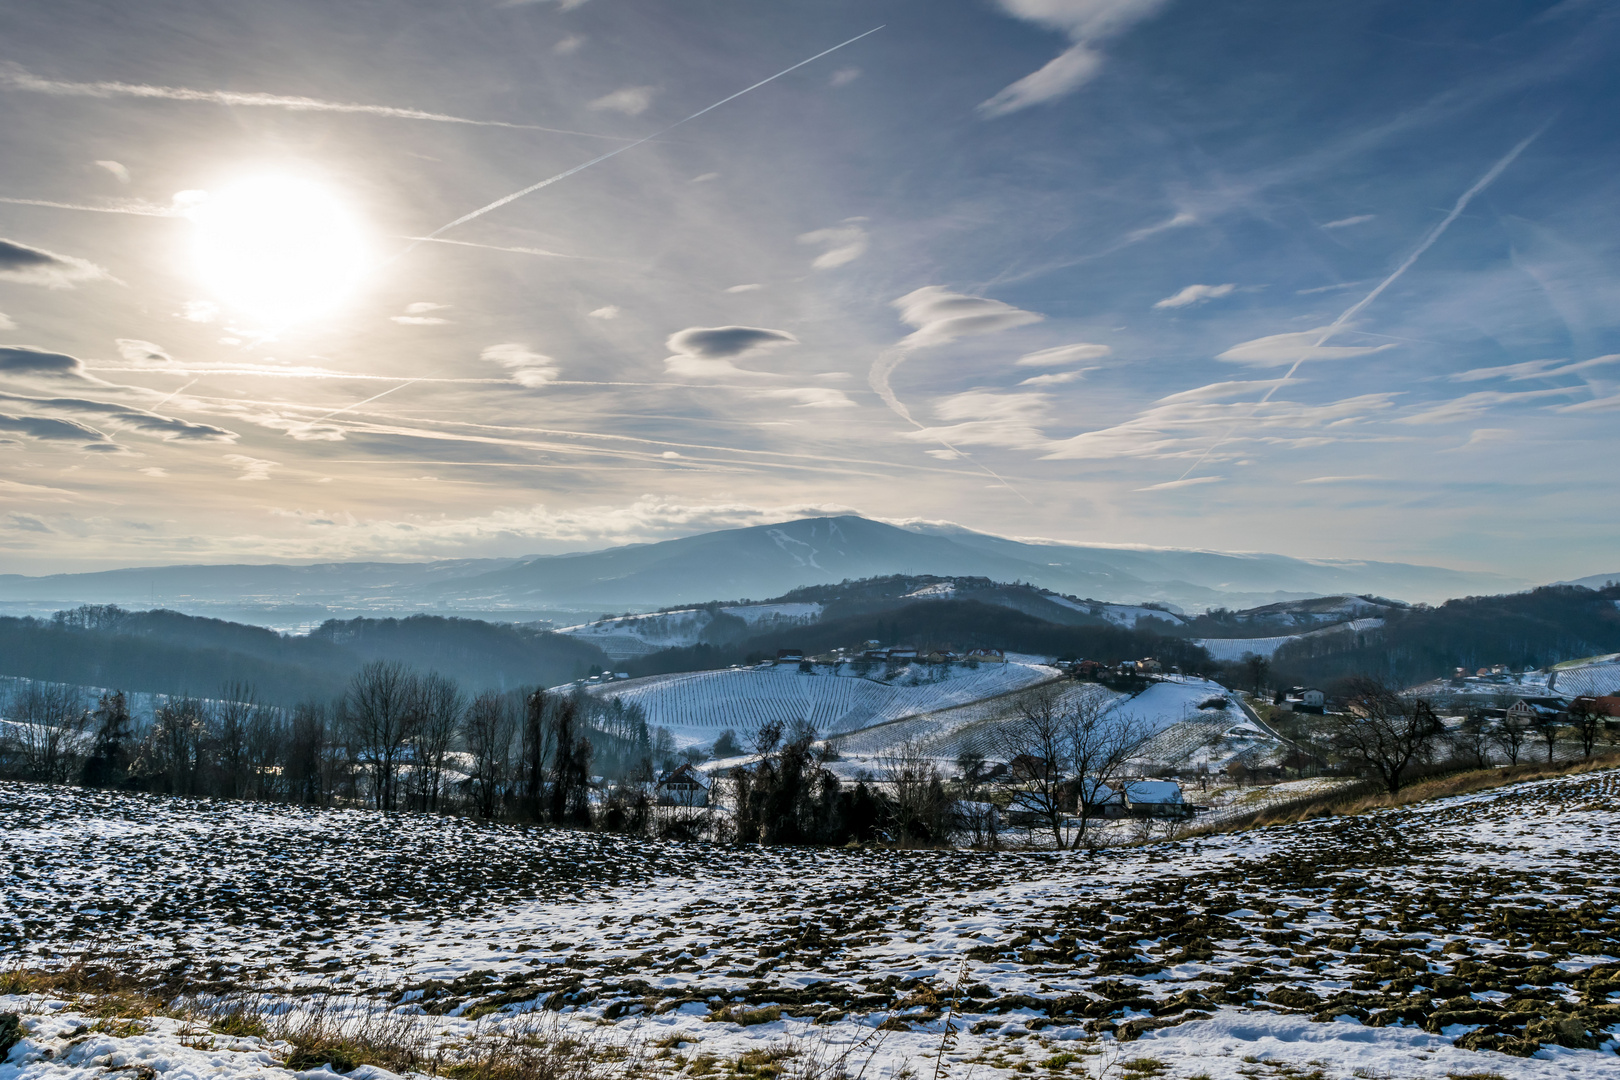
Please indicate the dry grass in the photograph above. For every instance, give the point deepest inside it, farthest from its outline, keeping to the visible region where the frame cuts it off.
(1360, 801)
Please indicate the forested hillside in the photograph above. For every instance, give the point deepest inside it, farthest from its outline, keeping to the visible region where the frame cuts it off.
(166, 652)
(941, 624)
(1530, 629)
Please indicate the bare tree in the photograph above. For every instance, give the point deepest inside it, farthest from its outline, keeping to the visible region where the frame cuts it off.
(1032, 738)
(1258, 669)
(488, 732)
(228, 723)
(921, 808)
(1510, 734)
(49, 721)
(1587, 721)
(1076, 729)
(438, 707)
(1472, 742)
(304, 771)
(380, 711)
(1383, 729)
(1547, 728)
(174, 751)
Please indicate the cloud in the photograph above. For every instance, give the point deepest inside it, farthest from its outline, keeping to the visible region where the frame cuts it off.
(942, 316)
(128, 418)
(1472, 406)
(753, 287)
(1056, 378)
(1171, 485)
(21, 360)
(1345, 223)
(1180, 425)
(116, 169)
(629, 100)
(144, 354)
(845, 243)
(51, 429)
(814, 397)
(14, 77)
(1064, 354)
(704, 178)
(252, 468)
(34, 266)
(1087, 24)
(986, 418)
(843, 76)
(706, 352)
(568, 45)
(28, 524)
(7, 322)
(418, 314)
(199, 311)
(1359, 479)
(1535, 369)
(608, 311)
(528, 368)
(1196, 294)
(153, 470)
(1280, 350)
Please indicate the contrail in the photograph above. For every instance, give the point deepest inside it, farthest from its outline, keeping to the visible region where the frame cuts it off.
(16, 78)
(136, 207)
(498, 203)
(1355, 309)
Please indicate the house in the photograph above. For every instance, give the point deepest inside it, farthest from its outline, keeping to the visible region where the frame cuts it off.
(1148, 665)
(1534, 711)
(1307, 699)
(1030, 767)
(1608, 705)
(1154, 798)
(896, 655)
(1028, 808)
(789, 656)
(684, 785)
(987, 656)
(942, 656)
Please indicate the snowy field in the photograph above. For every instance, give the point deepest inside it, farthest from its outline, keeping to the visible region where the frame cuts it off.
(1159, 710)
(697, 706)
(1446, 940)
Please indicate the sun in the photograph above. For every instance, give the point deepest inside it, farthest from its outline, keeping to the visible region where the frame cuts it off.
(281, 248)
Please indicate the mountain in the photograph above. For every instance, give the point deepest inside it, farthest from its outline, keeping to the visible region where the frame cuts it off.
(759, 561)
(1594, 581)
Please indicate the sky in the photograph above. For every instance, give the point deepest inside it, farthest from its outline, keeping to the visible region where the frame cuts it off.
(1336, 281)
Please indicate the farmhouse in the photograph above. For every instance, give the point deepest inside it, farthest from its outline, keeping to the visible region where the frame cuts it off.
(789, 656)
(1306, 699)
(987, 656)
(684, 785)
(1155, 798)
(1537, 710)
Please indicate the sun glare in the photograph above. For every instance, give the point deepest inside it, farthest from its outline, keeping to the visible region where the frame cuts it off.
(277, 247)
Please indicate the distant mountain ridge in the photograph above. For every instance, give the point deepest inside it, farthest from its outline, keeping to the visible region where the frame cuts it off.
(756, 562)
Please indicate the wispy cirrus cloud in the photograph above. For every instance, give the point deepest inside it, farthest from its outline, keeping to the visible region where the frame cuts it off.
(15, 77)
(1280, 350)
(1535, 369)
(1196, 294)
(1088, 24)
(1060, 355)
(844, 243)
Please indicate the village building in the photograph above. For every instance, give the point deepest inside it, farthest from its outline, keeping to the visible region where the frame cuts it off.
(684, 785)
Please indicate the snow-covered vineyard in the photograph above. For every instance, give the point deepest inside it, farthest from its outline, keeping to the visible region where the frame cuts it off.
(1448, 939)
(696, 706)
